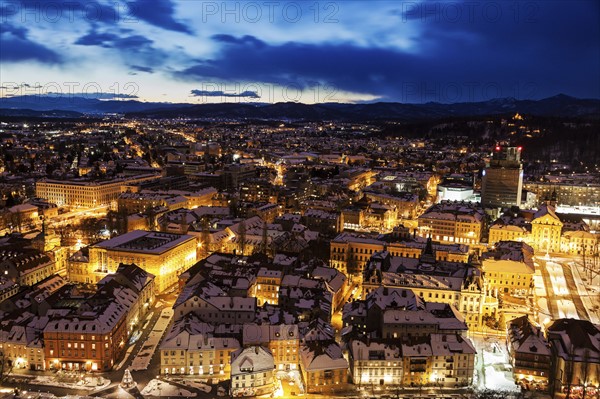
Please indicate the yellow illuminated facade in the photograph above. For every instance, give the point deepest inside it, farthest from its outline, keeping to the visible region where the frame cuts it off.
(164, 255)
(507, 233)
(199, 355)
(266, 288)
(546, 230)
(82, 193)
(349, 254)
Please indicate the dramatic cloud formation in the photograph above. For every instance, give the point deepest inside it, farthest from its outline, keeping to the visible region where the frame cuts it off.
(363, 51)
(15, 46)
(158, 13)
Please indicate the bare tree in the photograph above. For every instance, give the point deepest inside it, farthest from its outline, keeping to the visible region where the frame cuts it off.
(6, 367)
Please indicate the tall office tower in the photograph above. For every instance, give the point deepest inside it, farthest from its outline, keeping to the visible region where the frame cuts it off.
(503, 179)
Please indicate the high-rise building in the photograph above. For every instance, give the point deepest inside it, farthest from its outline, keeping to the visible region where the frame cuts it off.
(503, 178)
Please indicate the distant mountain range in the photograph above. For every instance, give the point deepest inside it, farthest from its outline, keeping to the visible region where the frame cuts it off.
(560, 105)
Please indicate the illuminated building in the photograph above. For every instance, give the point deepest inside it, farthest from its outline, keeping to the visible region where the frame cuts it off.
(577, 190)
(187, 351)
(458, 284)
(579, 242)
(210, 303)
(267, 286)
(575, 357)
(25, 266)
(350, 252)
(397, 313)
(323, 366)
(283, 340)
(132, 202)
(89, 333)
(512, 225)
(23, 214)
(164, 255)
(89, 339)
(85, 193)
(546, 229)
(357, 179)
(457, 187)
(444, 360)
(406, 204)
(252, 372)
(375, 363)
(132, 287)
(529, 351)
(449, 221)
(502, 182)
(21, 342)
(509, 268)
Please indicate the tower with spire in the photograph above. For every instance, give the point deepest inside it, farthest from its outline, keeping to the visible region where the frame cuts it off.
(428, 254)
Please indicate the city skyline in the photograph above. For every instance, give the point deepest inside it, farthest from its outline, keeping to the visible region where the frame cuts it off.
(200, 51)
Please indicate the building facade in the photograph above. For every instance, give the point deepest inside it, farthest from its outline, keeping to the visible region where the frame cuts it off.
(165, 255)
(502, 182)
(85, 193)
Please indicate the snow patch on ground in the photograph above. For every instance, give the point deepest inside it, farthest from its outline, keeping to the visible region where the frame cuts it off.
(87, 383)
(161, 388)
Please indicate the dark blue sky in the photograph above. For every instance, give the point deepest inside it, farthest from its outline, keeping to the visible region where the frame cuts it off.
(205, 51)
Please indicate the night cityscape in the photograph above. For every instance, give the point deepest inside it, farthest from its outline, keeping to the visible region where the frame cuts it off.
(284, 199)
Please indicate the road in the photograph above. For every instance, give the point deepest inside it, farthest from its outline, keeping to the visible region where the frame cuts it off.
(551, 300)
(566, 293)
(570, 280)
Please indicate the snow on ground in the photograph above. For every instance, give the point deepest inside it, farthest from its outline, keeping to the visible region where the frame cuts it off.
(497, 370)
(557, 278)
(498, 379)
(143, 358)
(87, 383)
(195, 384)
(587, 292)
(493, 366)
(566, 309)
(538, 282)
(161, 388)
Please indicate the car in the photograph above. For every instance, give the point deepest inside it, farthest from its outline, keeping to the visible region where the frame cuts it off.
(291, 383)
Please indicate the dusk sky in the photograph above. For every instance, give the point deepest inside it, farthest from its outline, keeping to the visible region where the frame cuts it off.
(308, 51)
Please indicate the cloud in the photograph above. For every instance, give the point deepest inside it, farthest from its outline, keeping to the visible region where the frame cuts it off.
(94, 38)
(220, 93)
(15, 46)
(140, 68)
(452, 60)
(158, 13)
(110, 40)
